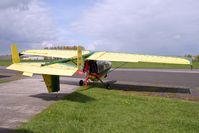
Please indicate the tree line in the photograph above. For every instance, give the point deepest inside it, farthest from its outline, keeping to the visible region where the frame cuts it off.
(64, 48)
(193, 57)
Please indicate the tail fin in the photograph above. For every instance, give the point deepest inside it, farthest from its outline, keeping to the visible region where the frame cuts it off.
(15, 54)
(79, 57)
(52, 82)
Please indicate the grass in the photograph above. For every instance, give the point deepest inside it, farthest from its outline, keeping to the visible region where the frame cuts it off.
(8, 80)
(154, 65)
(9, 62)
(109, 111)
(5, 62)
(2, 81)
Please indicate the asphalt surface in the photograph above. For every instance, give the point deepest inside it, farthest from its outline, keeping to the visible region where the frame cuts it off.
(175, 83)
(178, 79)
(185, 78)
(129, 78)
(22, 99)
(181, 78)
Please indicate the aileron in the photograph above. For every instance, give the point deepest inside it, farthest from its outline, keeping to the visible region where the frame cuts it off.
(36, 68)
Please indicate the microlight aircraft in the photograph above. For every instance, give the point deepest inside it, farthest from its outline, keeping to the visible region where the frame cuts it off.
(94, 65)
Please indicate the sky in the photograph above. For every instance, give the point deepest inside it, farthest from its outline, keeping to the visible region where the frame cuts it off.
(160, 27)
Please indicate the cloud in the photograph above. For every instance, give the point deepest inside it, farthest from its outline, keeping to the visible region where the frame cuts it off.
(26, 22)
(22, 4)
(163, 27)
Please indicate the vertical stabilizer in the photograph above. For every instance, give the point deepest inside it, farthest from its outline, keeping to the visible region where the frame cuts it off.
(52, 82)
(79, 57)
(15, 54)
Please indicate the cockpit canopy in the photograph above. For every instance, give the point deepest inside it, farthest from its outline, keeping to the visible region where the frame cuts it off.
(97, 66)
(103, 66)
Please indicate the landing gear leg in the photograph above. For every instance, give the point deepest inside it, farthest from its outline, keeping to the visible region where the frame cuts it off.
(86, 82)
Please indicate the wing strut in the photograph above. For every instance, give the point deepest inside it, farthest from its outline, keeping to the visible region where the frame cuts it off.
(118, 67)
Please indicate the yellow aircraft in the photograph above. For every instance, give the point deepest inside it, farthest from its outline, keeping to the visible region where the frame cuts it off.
(94, 65)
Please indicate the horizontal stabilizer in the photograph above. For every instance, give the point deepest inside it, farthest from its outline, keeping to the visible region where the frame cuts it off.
(36, 68)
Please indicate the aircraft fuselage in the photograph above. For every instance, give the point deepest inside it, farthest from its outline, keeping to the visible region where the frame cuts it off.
(95, 70)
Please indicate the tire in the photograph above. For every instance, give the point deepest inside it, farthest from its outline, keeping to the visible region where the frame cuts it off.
(81, 83)
(105, 76)
(107, 86)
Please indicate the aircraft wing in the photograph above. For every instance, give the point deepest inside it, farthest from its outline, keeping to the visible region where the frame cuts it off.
(124, 57)
(35, 68)
(54, 53)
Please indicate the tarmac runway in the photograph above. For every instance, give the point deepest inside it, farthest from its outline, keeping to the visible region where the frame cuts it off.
(177, 78)
(185, 78)
(181, 78)
(160, 78)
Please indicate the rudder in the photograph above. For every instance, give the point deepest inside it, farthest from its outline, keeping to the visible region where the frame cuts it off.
(15, 54)
(52, 82)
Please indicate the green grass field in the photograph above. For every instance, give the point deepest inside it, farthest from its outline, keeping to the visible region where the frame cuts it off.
(99, 110)
(2, 81)
(5, 62)
(9, 62)
(154, 65)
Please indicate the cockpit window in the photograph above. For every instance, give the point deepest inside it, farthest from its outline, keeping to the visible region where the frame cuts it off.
(103, 65)
(93, 67)
(96, 66)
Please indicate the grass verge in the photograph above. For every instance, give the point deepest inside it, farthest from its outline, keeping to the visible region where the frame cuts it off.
(154, 65)
(2, 81)
(5, 62)
(109, 111)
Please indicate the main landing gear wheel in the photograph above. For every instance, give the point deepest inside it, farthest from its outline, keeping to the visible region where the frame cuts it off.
(81, 83)
(107, 86)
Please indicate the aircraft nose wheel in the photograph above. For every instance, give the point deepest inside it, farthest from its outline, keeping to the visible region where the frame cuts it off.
(81, 83)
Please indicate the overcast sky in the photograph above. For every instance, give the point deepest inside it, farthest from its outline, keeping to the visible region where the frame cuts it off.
(163, 27)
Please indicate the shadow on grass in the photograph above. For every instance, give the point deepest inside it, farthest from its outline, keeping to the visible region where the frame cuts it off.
(75, 96)
(140, 88)
(7, 130)
(78, 97)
